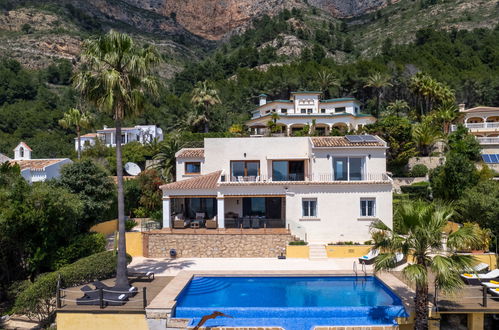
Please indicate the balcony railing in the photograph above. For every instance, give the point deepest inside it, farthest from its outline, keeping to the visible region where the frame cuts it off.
(477, 126)
(314, 177)
(488, 140)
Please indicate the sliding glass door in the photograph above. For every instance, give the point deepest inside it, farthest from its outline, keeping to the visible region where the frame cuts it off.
(348, 168)
(288, 170)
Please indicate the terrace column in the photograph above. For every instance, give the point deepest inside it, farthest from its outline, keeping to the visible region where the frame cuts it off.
(166, 211)
(220, 212)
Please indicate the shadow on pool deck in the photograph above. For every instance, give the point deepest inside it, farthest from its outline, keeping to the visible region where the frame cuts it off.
(159, 267)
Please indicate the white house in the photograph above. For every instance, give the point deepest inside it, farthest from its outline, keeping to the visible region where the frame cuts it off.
(323, 189)
(36, 170)
(306, 108)
(139, 133)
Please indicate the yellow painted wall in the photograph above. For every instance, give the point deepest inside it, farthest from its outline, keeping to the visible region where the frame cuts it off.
(347, 251)
(98, 321)
(297, 251)
(488, 258)
(106, 228)
(134, 245)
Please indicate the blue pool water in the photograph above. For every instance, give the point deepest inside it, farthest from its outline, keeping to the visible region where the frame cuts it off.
(294, 303)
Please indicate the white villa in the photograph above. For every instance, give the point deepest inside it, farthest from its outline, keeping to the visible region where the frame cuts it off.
(36, 170)
(483, 122)
(304, 108)
(139, 133)
(323, 189)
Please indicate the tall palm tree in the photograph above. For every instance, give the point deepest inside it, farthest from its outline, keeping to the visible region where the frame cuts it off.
(397, 107)
(326, 80)
(425, 135)
(429, 92)
(378, 82)
(204, 96)
(420, 233)
(117, 76)
(78, 119)
(446, 114)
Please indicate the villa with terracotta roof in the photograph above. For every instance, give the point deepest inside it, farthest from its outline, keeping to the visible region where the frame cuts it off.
(139, 133)
(322, 189)
(36, 170)
(306, 108)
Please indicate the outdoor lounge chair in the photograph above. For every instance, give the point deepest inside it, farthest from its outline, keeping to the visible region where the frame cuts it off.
(246, 222)
(129, 291)
(491, 285)
(400, 258)
(494, 292)
(179, 222)
(212, 223)
(476, 279)
(369, 258)
(149, 275)
(480, 268)
(255, 223)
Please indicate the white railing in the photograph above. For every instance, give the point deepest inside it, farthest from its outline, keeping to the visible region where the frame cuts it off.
(477, 125)
(314, 177)
(488, 140)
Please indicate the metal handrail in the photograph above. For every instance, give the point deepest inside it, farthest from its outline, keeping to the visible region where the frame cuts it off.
(355, 268)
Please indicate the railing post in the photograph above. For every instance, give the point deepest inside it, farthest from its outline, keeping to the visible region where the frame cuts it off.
(58, 296)
(101, 298)
(484, 296)
(144, 297)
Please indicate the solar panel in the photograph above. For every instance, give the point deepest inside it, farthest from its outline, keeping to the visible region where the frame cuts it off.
(369, 138)
(354, 138)
(491, 158)
(486, 159)
(494, 159)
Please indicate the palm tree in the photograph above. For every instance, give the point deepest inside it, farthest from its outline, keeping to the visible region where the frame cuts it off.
(78, 119)
(326, 80)
(165, 159)
(425, 135)
(205, 96)
(397, 107)
(378, 82)
(429, 92)
(420, 233)
(446, 114)
(116, 76)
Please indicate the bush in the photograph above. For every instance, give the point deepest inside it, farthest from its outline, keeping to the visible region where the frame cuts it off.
(37, 300)
(81, 246)
(129, 224)
(417, 190)
(298, 243)
(419, 170)
(345, 243)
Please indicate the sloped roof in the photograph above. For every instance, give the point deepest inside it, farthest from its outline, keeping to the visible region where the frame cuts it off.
(207, 181)
(88, 135)
(23, 144)
(36, 164)
(191, 153)
(341, 141)
(4, 158)
(481, 109)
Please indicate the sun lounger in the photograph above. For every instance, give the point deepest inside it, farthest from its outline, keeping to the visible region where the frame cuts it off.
(494, 292)
(491, 285)
(481, 267)
(149, 275)
(130, 291)
(399, 258)
(476, 279)
(369, 258)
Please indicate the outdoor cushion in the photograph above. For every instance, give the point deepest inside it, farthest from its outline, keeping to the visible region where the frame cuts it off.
(494, 282)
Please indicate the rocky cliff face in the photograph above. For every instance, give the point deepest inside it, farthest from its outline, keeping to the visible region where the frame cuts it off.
(212, 19)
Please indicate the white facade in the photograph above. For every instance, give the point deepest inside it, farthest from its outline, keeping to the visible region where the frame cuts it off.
(140, 133)
(306, 108)
(324, 189)
(482, 122)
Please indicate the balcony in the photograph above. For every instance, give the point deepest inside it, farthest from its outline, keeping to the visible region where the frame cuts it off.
(300, 179)
(479, 126)
(488, 140)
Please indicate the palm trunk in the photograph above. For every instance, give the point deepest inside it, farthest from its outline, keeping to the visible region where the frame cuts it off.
(421, 304)
(378, 101)
(121, 273)
(206, 129)
(79, 141)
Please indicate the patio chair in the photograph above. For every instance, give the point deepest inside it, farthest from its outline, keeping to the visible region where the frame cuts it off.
(255, 223)
(212, 223)
(149, 275)
(369, 258)
(199, 215)
(246, 223)
(476, 279)
(115, 299)
(130, 291)
(179, 222)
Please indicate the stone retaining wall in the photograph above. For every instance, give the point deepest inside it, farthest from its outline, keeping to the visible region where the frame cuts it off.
(158, 245)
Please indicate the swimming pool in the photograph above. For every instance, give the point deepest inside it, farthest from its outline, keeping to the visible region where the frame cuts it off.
(294, 303)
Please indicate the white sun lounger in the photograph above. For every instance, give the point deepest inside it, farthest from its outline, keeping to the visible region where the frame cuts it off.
(480, 267)
(490, 285)
(369, 258)
(399, 258)
(474, 279)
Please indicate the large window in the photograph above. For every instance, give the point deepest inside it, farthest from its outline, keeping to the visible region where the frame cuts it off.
(208, 206)
(348, 168)
(245, 168)
(192, 168)
(367, 207)
(309, 207)
(268, 207)
(288, 170)
(339, 110)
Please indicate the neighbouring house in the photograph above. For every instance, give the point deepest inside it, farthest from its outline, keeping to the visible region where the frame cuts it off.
(139, 133)
(4, 158)
(323, 189)
(36, 170)
(306, 108)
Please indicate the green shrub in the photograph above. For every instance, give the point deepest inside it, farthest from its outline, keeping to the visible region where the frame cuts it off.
(419, 170)
(417, 190)
(37, 301)
(369, 242)
(129, 224)
(298, 243)
(345, 243)
(81, 246)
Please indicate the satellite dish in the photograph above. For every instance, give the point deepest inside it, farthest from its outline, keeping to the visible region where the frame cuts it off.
(132, 169)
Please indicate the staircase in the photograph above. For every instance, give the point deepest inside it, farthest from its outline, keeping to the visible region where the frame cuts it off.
(317, 252)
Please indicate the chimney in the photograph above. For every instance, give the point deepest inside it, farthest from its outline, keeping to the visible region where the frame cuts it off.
(462, 106)
(263, 99)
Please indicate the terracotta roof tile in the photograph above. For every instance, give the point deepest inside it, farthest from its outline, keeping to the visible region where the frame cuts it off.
(88, 135)
(24, 145)
(36, 164)
(207, 181)
(341, 141)
(191, 153)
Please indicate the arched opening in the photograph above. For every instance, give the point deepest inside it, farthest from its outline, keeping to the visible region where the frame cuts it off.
(321, 130)
(474, 120)
(258, 130)
(339, 129)
(297, 129)
(21, 152)
(492, 119)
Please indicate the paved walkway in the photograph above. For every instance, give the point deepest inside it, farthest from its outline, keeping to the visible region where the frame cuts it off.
(171, 267)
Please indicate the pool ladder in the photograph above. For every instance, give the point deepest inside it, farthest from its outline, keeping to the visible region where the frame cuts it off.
(363, 268)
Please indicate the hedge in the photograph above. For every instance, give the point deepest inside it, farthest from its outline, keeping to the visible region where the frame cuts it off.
(298, 243)
(417, 190)
(419, 170)
(38, 300)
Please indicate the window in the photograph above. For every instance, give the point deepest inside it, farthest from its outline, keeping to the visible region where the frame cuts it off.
(21, 152)
(368, 207)
(192, 168)
(309, 110)
(284, 170)
(309, 207)
(323, 110)
(284, 110)
(245, 168)
(267, 111)
(339, 110)
(303, 110)
(348, 168)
